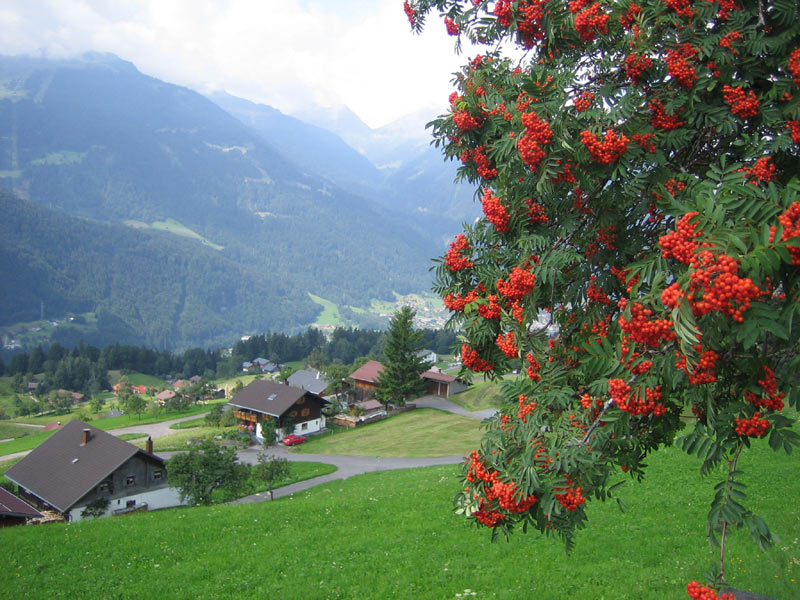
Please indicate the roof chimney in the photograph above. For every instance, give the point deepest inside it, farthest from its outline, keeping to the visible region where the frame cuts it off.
(86, 435)
(148, 445)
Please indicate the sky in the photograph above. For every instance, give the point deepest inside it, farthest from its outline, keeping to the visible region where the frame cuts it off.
(289, 54)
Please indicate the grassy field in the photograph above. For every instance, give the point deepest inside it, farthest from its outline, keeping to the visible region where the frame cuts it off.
(31, 441)
(298, 471)
(480, 396)
(417, 433)
(179, 441)
(11, 431)
(394, 535)
(190, 424)
(330, 314)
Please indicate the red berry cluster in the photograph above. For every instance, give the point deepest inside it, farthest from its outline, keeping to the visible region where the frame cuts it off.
(609, 150)
(661, 120)
(722, 289)
(704, 372)
(471, 360)
(678, 65)
(411, 13)
(537, 134)
(454, 258)
(570, 498)
(507, 344)
(596, 294)
(624, 277)
(726, 7)
(701, 592)
(590, 22)
(465, 121)
(502, 10)
(794, 130)
(714, 68)
(636, 406)
(494, 210)
(536, 212)
(682, 7)
(492, 310)
(451, 26)
(728, 39)
(520, 283)
(529, 25)
(680, 244)
(456, 302)
(673, 186)
(525, 407)
(755, 426)
(636, 65)
(566, 175)
(482, 163)
(533, 367)
(584, 101)
(770, 399)
(763, 170)
(794, 65)
(642, 330)
(506, 494)
(627, 20)
(742, 104)
(790, 221)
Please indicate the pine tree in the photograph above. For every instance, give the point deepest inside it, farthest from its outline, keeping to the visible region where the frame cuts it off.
(400, 379)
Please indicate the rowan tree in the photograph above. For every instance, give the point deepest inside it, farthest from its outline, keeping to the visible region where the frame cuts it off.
(639, 250)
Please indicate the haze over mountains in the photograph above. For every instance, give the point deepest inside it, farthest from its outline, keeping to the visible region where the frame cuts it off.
(109, 164)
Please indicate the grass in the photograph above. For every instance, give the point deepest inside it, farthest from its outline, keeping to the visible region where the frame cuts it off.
(394, 535)
(298, 471)
(480, 396)
(190, 424)
(179, 441)
(330, 312)
(31, 441)
(417, 433)
(11, 431)
(132, 436)
(174, 227)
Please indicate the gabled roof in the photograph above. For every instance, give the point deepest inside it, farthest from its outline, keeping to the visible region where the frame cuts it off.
(267, 397)
(438, 376)
(61, 470)
(11, 506)
(368, 405)
(368, 372)
(311, 380)
(166, 395)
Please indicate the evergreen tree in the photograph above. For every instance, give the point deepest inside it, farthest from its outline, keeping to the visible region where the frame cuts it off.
(400, 378)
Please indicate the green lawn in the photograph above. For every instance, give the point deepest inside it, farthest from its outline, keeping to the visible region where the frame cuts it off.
(11, 431)
(179, 441)
(480, 396)
(31, 441)
(190, 424)
(417, 433)
(394, 535)
(298, 471)
(330, 314)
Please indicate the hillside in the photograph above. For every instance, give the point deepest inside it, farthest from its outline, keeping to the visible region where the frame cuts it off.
(93, 137)
(147, 287)
(394, 535)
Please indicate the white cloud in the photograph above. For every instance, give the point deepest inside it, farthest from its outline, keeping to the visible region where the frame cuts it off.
(286, 53)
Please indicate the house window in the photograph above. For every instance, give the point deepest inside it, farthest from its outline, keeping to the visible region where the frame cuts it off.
(104, 486)
(305, 412)
(293, 413)
(304, 426)
(130, 504)
(158, 475)
(301, 400)
(130, 480)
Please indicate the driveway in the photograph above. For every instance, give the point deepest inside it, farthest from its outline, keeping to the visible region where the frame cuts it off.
(347, 466)
(440, 403)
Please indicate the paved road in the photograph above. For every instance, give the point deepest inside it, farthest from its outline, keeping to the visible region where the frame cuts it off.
(347, 466)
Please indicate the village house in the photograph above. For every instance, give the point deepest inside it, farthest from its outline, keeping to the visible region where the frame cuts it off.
(310, 380)
(81, 466)
(14, 511)
(289, 406)
(365, 380)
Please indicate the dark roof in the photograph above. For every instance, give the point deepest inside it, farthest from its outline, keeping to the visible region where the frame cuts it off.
(61, 471)
(311, 380)
(267, 397)
(11, 506)
(370, 405)
(368, 372)
(438, 376)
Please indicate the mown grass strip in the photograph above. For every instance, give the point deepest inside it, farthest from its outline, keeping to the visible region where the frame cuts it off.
(417, 433)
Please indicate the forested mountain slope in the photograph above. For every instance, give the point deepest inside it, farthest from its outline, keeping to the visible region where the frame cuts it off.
(94, 137)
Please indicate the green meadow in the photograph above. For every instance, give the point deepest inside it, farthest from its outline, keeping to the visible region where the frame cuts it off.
(394, 535)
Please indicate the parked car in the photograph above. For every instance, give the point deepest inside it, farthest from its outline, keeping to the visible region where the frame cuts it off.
(293, 440)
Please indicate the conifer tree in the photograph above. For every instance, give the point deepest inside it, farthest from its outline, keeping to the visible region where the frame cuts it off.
(400, 379)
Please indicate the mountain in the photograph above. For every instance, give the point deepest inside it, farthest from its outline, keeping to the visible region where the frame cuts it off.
(93, 137)
(146, 287)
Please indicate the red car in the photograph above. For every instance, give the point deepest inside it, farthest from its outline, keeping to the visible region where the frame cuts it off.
(293, 440)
